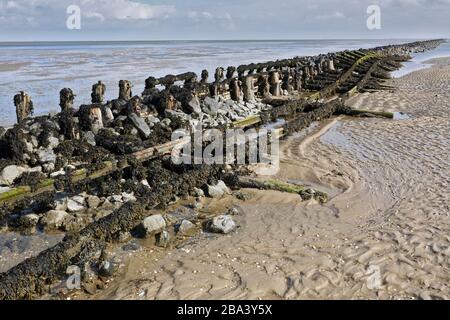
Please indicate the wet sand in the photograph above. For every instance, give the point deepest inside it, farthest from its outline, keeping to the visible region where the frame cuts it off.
(13, 66)
(384, 234)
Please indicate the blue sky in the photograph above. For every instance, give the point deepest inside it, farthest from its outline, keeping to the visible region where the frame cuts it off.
(28, 20)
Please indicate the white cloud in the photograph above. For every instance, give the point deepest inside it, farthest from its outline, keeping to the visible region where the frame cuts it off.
(199, 15)
(225, 20)
(412, 3)
(97, 9)
(124, 10)
(334, 15)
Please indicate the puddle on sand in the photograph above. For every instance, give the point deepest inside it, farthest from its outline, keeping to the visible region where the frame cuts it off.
(401, 116)
(15, 248)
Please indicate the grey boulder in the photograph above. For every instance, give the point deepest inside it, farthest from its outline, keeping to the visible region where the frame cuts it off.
(221, 224)
(140, 125)
(10, 173)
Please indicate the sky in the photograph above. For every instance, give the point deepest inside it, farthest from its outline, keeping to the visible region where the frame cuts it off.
(103, 20)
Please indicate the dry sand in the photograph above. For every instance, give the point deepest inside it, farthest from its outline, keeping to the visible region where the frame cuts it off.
(385, 233)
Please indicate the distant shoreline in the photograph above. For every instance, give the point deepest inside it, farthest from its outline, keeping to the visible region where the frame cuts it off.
(109, 42)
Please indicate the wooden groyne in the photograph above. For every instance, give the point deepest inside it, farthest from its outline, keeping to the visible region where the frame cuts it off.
(93, 147)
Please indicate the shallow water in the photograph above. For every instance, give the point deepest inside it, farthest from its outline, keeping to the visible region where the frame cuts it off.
(401, 116)
(422, 60)
(16, 247)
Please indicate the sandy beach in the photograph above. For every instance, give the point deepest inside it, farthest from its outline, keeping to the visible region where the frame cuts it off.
(384, 234)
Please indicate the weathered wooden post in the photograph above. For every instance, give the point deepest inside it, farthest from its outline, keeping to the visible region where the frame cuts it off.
(91, 117)
(230, 72)
(68, 123)
(274, 80)
(218, 76)
(214, 87)
(205, 76)
(263, 86)
(249, 88)
(331, 65)
(98, 92)
(287, 81)
(235, 89)
(306, 74)
(168, 101)
(125, 90)
(24, 106)
(66, 98)
(298, 75)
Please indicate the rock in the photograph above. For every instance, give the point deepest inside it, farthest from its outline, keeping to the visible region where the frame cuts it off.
(186, 227)
(193, 106)
(107, 205)
(174, 116)
(75, 204)
(181, 213)
(57, 173)
(107, 268)
(89, 137)
(145, 183)
(123, 236)
(54, 219)
(241, 195)
(233, 211)
(132, 246)
(29, 220)
(128, 197)
(35, 169)
(140, 125)
(153, 224)
(93, 202)
(10, 173)
(163, 239)
(48, 167)
(152, 120)
(53, 142)
(166, 122)
(46, 156)
(197, 204)
(60, 202)
(29, 147)
(221, 224)
(218, 190)
(198, 192)
(115, 198)
(211, 106)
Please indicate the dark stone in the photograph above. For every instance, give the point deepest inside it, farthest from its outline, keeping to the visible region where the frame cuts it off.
(125, 90)
(98, 92)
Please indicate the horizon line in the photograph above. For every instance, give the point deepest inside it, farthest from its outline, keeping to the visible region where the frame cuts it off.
(211, 40)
